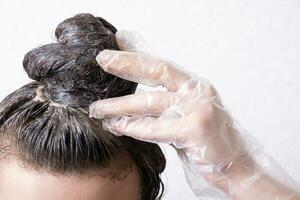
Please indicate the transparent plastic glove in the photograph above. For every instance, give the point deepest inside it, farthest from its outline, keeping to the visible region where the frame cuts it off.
(220, 159)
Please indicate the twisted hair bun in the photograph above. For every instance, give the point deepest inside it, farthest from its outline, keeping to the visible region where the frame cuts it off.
(68, 70)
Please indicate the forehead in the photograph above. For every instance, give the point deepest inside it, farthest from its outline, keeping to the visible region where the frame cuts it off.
(21, 183)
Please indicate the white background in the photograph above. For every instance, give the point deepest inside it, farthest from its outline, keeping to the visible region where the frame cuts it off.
(249, 49)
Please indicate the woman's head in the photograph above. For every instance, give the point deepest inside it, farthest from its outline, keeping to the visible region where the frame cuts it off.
(46, 133)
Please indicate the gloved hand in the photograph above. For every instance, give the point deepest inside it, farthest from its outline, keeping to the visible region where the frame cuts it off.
(189, 115)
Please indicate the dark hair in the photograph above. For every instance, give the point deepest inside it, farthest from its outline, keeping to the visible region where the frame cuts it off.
(46, 122)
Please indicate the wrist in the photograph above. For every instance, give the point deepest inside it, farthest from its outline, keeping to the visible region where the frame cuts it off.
(232, 177)
(245, 176)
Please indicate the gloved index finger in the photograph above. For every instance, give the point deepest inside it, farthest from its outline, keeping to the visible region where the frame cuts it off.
(142, 68)
(129, 40)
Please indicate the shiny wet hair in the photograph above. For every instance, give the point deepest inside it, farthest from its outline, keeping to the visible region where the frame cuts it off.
(46, 123)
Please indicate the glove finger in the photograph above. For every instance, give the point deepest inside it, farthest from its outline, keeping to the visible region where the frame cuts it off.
(148, 129)
(151, 103)
(142, 68)
(129, 40)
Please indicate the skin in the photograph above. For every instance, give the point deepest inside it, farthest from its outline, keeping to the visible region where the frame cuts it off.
(18, 182)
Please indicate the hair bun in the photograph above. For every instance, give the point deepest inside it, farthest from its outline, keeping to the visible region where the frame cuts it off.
(68, 69)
